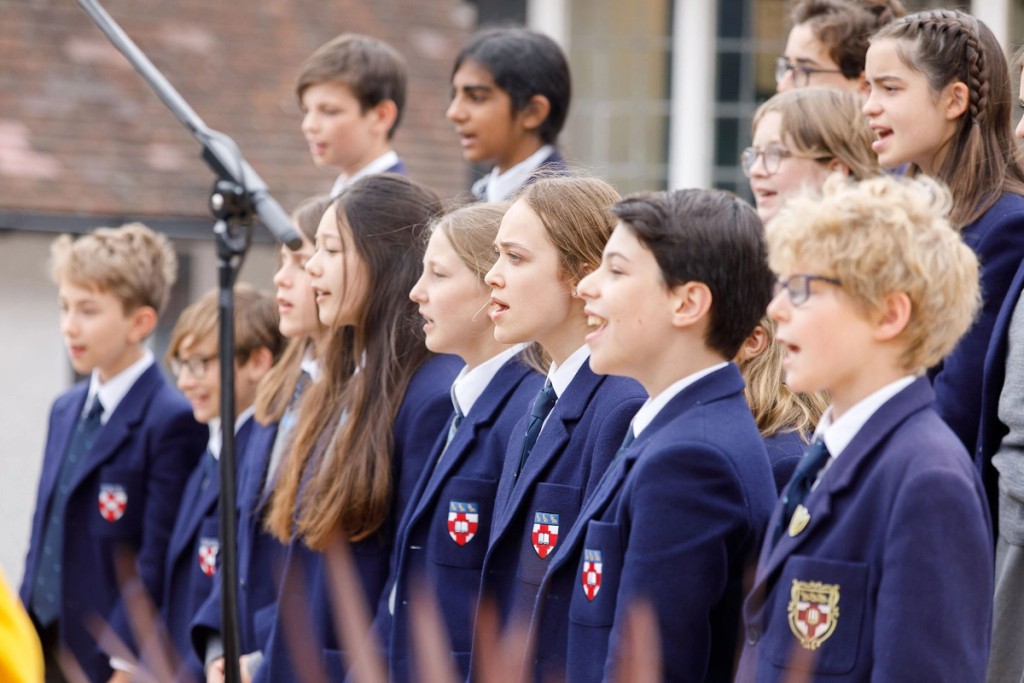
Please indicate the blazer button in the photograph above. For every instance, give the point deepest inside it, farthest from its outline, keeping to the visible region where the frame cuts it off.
(753, 635)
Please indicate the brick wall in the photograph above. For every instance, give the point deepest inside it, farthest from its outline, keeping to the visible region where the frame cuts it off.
(81, 132)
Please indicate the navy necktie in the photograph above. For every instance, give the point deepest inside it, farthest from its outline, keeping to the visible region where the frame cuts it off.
(542, 405)
(46, 593)
(800, 485)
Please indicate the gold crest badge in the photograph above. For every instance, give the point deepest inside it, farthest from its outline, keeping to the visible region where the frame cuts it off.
(799, 520)
(813, 612)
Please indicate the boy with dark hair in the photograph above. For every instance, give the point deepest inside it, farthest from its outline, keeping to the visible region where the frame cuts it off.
(681, 510)
(510, 97)
(119, 445)
(352, 92)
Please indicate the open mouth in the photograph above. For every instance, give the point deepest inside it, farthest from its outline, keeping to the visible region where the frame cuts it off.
(597, 325)
(497, 309)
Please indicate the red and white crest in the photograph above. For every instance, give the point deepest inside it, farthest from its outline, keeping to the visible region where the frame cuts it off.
(208, 550)
(591, 573)
(463, 521)
(545, 533)
(813, 612)
(113, 501)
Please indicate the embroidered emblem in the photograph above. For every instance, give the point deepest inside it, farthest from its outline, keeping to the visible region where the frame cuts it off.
(813, 612)
(591, 578)
(799, 521)
(208, 550)
(113, 501)
(545, 533)
(463, 521)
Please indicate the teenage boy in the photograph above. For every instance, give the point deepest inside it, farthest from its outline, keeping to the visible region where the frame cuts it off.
(877, 564)
(511, 90)
(192, 554)
(680, 512)
(351, 92)
(119, 445)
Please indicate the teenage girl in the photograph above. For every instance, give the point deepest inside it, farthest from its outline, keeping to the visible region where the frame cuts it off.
(941, 103)
(443, 538)
(828, 41)
(277, 406)
(362, 434)
(550, 238)
(800, 137)
(510, 96)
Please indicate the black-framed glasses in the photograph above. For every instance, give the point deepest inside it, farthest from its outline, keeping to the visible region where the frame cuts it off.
(799, 286)
(196, 365)
(772, 157)
(801, 73)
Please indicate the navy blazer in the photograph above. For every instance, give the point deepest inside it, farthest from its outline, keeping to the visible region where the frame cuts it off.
(583, 432)
(785, 450)
(891, 578)
(192, 557)
(554, 164)
(148, 446)
(998, 240)
(304, 601)
(430, 547)
(675, 523)
(991, 430)
(260, 555)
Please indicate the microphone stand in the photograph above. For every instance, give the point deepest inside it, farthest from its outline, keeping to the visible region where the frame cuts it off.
(238, 197)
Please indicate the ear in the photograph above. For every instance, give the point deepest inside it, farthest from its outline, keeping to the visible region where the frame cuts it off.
(691, 303)
(836, 165)
(143, 322)
(384, 112)
(257, 364)
(862, 85)
(956, 99)
(754, 345)
(893, 316)
(535, 113)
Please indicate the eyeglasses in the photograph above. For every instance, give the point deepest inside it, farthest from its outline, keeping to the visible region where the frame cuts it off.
(772, 157)
(196, 366)
(801, 73)
(799, 286)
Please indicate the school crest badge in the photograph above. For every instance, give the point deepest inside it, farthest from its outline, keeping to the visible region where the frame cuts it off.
(208, 550)
(545, 533)
(591, 579)
(113, 501)
(813, 612)
(463, 521)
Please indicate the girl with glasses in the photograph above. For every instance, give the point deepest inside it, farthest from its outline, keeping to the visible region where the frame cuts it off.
(828, 41)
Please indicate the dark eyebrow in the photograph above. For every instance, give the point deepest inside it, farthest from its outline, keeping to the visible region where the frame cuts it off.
(478, 89)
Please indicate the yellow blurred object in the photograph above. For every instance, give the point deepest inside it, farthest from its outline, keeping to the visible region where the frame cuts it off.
(21, 657)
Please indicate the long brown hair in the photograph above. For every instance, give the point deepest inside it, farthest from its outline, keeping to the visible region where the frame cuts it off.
(278, 386)
(348, 415)
(983, 162)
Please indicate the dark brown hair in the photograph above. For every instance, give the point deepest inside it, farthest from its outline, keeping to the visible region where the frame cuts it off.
(338, 480)
(844, 27)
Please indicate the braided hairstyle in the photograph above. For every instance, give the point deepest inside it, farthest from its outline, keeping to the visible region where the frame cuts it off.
(844, 27)
(947, 46)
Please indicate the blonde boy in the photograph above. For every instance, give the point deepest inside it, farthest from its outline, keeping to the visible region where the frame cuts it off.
(877, 562)
(119, 445)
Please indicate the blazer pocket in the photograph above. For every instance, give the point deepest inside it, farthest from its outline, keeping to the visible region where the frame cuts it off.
(551, 513)
(461, 524)
(818, 607)
(119, 505)
(596, 588)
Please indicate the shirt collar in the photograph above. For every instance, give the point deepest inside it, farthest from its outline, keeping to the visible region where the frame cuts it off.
(114, 389)
(310, 365)
(839, 433)
(378, 165)
(650, 409)
(562, 375)
(471, 382)
(216, 439)
(500, 186)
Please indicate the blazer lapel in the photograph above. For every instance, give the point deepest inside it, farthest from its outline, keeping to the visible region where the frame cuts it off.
(130, 412)
(841, 475)
(64, 420)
